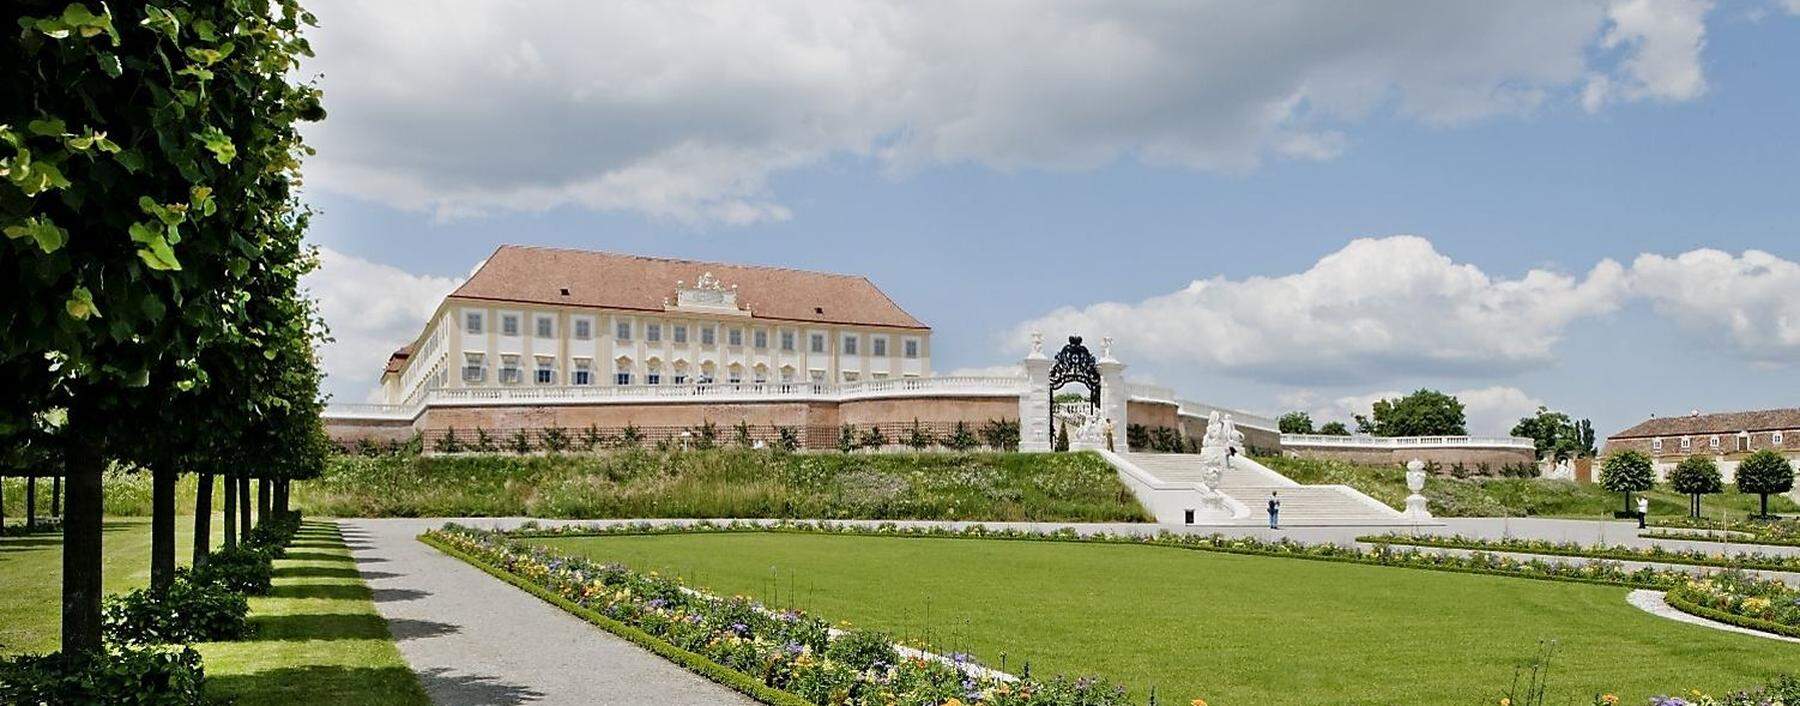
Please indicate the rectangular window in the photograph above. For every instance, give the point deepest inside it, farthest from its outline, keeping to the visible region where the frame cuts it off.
(1656, 444)
(734, 336)
(546, 327)
(653, 332)
(850, 344)
(474, 367)
(910, 348)
(472, 323)
(1743, 442)
(706, 335)
(546, 371)
(1714, 441)
(1775, 438)
(761, 339)
(681, 333)
(878, 346)
(510, 374)
(818, 343)
(1686, 443)
(584, 329)
(734, 376)
(653, 376)
(583, 374)
(680, 379)
(760, 376)
(509, 324)
(623, 376)
(787, 341)
(623, 331)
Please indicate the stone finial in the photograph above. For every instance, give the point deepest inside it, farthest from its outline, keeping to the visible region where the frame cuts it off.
(1106, 346)
(1037, 342)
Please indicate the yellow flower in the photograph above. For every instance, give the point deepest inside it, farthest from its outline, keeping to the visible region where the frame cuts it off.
(1197, 702)
(1505, 701)
(1610, 699)
(953, 702)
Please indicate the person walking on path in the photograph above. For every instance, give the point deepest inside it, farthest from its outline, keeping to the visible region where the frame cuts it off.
(1643, 512)
(1274, 510)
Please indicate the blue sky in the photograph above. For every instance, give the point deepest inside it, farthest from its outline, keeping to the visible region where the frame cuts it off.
(1662, 129)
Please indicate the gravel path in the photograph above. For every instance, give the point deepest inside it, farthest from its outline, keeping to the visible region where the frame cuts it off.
(1652, 602)
(475, 640)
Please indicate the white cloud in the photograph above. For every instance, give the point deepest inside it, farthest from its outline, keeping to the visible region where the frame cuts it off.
(372, 310)
(1752, 300)
(1014, 370)
(1377, 309)
(1491, 411)
(684, 111)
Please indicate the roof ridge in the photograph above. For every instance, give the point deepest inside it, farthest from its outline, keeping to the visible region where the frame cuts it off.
(679, 260)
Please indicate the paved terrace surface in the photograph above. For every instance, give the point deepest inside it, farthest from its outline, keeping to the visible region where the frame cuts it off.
(491, 643)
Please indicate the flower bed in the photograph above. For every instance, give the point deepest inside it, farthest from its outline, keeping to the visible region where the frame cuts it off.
(1783, 691)
(1596, 571)
(1775, 532)
(1769, 606)
(1693, 557)
(779, 657)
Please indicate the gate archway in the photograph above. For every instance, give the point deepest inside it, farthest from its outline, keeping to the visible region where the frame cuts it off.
(1074, 364)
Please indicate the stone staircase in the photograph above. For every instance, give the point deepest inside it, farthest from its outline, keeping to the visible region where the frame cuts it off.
(1250, 483)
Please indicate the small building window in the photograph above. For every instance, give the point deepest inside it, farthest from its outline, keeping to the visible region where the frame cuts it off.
(546, 371)
(760, 339)
(850, 344)
(474, 367)
(1714, 442)
(706, 335)
(653, 332)
(583, 373)
(734, 336)
(584, 329)
(878, 346)
(681, 333)
(817, 343)
(1656, 444)
(787, 374)
(1686, 443)
(622, 331)
(787, 341)
(510, 374)
(546, 327)
(734, 374)
(623, 376)
(472, 322)
(1743, 441)
(910, 348)
(760, 375)
(653, 374)
(509, 324)
(1775, 438)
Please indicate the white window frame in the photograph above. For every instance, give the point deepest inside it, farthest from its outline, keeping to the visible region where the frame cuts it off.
(652, 332)
(851, 344)
(909, 348)
(1656, 444)
(734, 337)
(1713, 442)
(510, 372)
(584, 329)
(653, 374)
(815, 344)
(474, 362)
(545, 373)
(878, 346)
(473, 322)
(709, 335)
(512, 321)
(583, 374)
(622, 330)
(1687, 442)
(621, 374)
(734, 375)
(759, 339)
(543, 326)
(1775, 438)
(788, 343)
(680, 333)
(787, 374)
(1743, 441)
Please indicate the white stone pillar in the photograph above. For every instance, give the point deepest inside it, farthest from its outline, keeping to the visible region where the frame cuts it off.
(1416, 504)
(1034, 402)
(1112, 393)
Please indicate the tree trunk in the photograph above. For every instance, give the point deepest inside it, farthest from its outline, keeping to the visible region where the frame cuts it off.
(231, 514)
(263, 499)
(281, 496)
(202, 519)
(2, 505)
(81, 559)
(162, 526)
(56, 496)
(245, 505)
(1765, 504)
(31, 503)
(1628, 501)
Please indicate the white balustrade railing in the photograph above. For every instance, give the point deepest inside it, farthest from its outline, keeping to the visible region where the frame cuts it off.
(1397, 442)
(1143, 391)
(1238, 417)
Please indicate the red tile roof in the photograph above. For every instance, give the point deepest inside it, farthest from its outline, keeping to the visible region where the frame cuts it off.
(540, 275)
(1715, 423)
(397, 359)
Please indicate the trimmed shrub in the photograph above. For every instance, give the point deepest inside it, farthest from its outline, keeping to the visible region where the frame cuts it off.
(241, 569)
(140, 676)
(187, 611)
(1627, 472)
(1764, 473)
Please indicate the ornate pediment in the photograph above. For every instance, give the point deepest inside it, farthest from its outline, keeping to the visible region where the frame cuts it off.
(706, 294)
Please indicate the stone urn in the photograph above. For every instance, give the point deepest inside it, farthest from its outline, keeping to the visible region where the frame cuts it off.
(1415, 481)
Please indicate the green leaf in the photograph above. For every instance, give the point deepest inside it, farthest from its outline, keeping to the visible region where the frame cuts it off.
(141, 233)
(49, 237)
(81, 304)
(153, 308)
(159, 256)
(220, 144)
(131, 160)
(109, 63)
(162, 21)
(48, 127)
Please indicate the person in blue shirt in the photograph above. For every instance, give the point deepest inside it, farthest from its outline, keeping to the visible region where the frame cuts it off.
(1274, 510)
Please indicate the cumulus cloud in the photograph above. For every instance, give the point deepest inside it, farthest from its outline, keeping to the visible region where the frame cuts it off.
(684, 111)
(1751, 301)
(1379, 307)
(372, 310)
(1491, 411)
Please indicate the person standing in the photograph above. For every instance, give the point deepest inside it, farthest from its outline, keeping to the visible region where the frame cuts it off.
(1643, 512)
(1274, 510)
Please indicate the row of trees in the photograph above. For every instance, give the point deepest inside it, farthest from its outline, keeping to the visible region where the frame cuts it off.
(1762, 473)
(153, 253)
(1422, 413)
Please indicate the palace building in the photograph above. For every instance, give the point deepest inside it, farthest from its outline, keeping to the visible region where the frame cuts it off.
(1726, 436)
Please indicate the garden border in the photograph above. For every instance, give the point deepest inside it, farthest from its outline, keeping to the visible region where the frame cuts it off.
(1754, 540)
(977, 531)
(1758, 624)
(698, 664)
(1666, 557)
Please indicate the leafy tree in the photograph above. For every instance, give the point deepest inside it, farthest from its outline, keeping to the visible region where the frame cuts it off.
(1334, 429)
(448, 443)
(1000, 434)
(873, 438)
(1764, 473)
(555, 439)
(705, 436)
(918, 438)
(591, 438)
(520, 443)
(846, 439)
(631, 437)
(1422, 413)
(483, 442)
(1555, 436)
(1696, 476)
(1295, 423)
(787, 439)
(741, 435)
(1627, 472)
(147, 159)
(1062, 438)
(961, 439)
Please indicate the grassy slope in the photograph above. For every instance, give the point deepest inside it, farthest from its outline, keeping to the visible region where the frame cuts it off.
(1495, 497)
(1233, 630)
(320, 640)
(727, 483)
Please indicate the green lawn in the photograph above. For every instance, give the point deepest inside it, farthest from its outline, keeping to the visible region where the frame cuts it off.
(1498, 497)
(1230, 629)
(319, 639)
